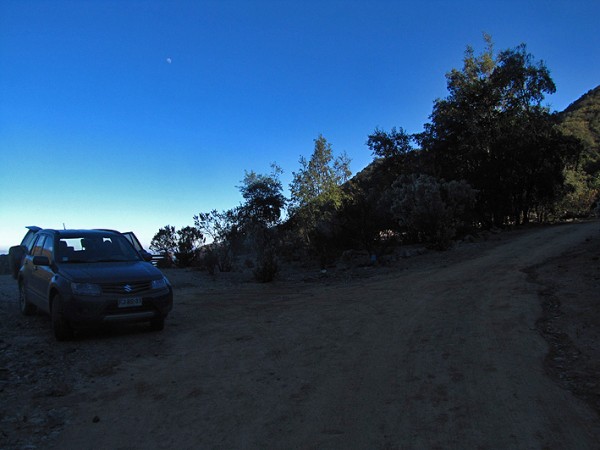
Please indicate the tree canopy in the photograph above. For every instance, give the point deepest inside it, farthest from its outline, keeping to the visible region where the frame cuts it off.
(263, 195)
(491, 154)
(493, 131)
(319, 179)
(392, 144)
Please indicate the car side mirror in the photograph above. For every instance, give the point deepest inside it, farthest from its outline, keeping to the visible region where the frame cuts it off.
(41, 261)
(146, 256)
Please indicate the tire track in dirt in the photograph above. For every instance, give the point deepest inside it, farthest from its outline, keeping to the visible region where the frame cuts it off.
(452, 361)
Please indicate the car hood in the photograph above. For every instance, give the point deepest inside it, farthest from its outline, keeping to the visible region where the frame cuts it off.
(110, 272)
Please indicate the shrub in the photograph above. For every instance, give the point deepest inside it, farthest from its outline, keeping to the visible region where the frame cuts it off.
(189, 240)
(431, 209)
(210, 261)
(266, 267)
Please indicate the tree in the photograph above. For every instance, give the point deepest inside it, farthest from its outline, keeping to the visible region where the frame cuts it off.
(493, 132)
(580, 194)
(261, 211)
(581, 120)
(224, 229)
(320, 178)
(393, 154)
(189, 240)
(389, 145)
(184, 244)
(365, 217)
(430, 209)
(263, 195)
(164, 241)
(316, 195)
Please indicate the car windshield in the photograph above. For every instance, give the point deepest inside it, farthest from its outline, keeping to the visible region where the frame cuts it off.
(95, 248)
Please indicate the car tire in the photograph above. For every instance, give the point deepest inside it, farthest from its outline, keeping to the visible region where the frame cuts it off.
(61, 327)
(27, 309)
(157, 324)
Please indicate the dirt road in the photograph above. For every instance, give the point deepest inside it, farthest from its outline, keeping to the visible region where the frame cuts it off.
(443, 355)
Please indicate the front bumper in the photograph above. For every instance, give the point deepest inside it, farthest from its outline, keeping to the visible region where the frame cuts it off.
(96, 310)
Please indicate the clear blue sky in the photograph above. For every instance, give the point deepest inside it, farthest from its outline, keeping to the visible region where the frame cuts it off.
(137, 114)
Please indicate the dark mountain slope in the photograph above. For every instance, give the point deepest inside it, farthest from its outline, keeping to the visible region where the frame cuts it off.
(582, 120)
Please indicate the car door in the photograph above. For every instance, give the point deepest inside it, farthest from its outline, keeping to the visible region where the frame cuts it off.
(44, 273)
(37, 277)
(133, 240)
(28, 269)
(16, 254)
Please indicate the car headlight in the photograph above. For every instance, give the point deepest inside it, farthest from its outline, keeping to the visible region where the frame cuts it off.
(159, 284)
(86, 289)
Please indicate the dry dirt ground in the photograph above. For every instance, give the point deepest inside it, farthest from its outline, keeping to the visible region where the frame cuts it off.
(491, 345)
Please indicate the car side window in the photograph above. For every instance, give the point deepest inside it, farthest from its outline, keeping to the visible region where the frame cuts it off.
(48, 247)
(28, 241)
(38, 246)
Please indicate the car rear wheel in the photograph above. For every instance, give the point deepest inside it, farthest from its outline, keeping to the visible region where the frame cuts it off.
(27, 309)
(61, 327)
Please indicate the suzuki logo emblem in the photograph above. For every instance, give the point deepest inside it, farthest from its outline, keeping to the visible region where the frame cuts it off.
(127, 288)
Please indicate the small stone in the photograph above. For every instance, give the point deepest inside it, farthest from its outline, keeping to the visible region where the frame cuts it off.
(96, 419)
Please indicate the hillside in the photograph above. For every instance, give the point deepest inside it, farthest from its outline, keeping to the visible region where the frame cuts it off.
(582, 119)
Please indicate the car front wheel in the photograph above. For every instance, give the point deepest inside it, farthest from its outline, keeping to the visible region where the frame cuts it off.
(26, 308)
(61, 327)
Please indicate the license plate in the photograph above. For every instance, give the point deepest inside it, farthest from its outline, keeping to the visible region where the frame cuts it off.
(129, 301)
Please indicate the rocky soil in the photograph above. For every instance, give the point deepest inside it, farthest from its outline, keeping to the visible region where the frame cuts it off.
(493, 344)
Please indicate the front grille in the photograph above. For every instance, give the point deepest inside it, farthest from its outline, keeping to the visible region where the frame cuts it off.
(112, 308)
(126, 288)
